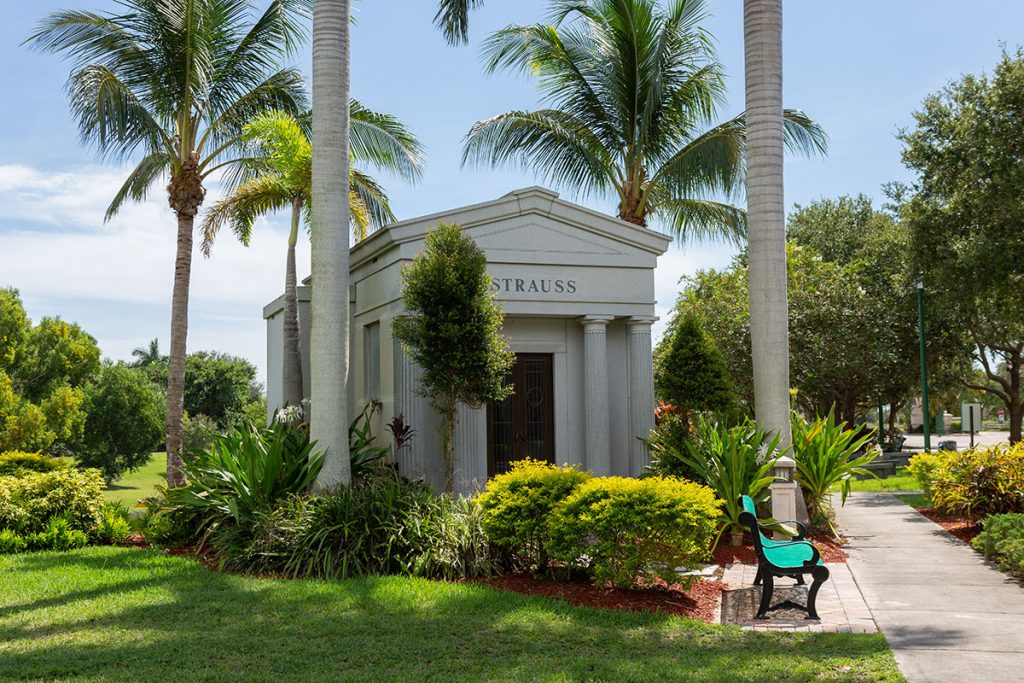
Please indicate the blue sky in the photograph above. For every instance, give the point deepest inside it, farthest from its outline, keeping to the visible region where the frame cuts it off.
(859, 68)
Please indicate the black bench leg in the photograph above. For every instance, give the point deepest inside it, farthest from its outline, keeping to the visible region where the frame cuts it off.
(820, 575)
(757, 577)
(766, 595)
(799, 579)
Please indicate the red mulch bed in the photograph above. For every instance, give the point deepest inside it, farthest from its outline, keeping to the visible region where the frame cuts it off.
(830, 547)
(698, 602)
(963, 529)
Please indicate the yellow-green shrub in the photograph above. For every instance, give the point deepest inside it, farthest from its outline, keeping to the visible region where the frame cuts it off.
(16, 463)
(987, 480)
(516, 506)
(28, 502)
(622, 529)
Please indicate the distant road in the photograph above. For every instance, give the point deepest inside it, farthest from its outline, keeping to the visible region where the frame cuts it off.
(916, 441)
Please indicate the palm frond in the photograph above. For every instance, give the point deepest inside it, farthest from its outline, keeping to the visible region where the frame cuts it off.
(369, 203)
(695, 219)
(239, 210)
(385, 142)
(452, 19)
(136, 185)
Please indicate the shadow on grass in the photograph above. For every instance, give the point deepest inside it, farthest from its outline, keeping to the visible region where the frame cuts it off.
(124, 614)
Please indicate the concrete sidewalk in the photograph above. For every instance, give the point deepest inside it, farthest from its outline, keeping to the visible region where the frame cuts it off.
(947, 614)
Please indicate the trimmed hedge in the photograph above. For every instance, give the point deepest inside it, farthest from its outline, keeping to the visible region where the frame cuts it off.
(987, 480)
(49, 510)
(16, 463)
(622, 529)
(1002, 540)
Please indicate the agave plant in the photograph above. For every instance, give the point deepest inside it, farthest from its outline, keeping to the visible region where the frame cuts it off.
(826, 456)
(733, 462)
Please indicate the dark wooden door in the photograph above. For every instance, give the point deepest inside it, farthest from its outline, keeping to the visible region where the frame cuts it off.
(523, 425)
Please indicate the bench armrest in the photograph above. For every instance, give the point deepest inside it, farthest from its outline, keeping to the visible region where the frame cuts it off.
(804, 532)
(814, 557)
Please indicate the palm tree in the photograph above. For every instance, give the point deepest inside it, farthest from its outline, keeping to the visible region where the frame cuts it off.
(769, 326)
(631, 91)
(278, 176)
(148, 355)
(176, 80)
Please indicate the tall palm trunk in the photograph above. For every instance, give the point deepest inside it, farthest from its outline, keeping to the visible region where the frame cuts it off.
(185, 195)
(769, 325)
(292, 356)
(329, 338)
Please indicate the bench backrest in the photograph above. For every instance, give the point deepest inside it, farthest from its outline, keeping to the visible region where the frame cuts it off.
(760, 540)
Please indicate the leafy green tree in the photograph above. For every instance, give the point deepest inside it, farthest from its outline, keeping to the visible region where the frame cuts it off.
(280, 173)
(632, 91)
(219, 385)
(56, 353)
(689, 370)
(14, 326)
(124, 419)
(967, 218)
(454, 329)
(148, 355)
(174, 81)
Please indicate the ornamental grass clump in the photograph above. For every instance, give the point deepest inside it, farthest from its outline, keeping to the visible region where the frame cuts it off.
(988, 480)
(517, 504)
(622, 530)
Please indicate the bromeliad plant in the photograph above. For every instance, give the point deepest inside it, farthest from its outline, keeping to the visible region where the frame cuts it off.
(733, 462)
(826, 456)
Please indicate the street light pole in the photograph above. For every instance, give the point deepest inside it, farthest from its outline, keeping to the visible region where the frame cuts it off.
(924, 368)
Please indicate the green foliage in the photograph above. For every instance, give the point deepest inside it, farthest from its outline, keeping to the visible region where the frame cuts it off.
(986, 480)
(826, 456)
(1002, 540)
(624, 529)
(59, 533)
(56, 353)
(219, 386)
(16, 463)
(114, 523)
(365, 455)
(124, 423)
(517, 504)
(246, 472)
(733, 462)
(197, 434)
(10, 542)
(14, 326)
(458, 547)
(453, 330)
(689, 370)
(667, 446)
(29, 501)
(26, 426)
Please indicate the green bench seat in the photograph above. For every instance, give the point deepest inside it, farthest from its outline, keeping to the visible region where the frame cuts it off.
(792, 558)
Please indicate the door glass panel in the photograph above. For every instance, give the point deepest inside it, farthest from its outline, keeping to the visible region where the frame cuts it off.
(501, 433)
(534, 374)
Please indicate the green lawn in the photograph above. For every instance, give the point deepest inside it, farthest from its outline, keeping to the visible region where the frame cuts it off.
(122, 614)
(139, 484)
(917, 500)
(901, 481)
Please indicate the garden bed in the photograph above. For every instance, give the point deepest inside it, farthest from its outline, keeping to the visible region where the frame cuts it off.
(700, 601)
(963, 529)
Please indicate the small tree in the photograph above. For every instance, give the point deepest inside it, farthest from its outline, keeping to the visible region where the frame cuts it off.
(690, 371)
(454, 329)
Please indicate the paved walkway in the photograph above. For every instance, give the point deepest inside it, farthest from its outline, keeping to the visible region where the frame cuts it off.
(947, 614)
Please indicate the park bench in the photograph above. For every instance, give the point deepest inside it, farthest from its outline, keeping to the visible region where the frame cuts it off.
(792, 558)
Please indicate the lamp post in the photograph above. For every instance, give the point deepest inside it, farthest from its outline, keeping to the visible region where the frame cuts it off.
(924, 368)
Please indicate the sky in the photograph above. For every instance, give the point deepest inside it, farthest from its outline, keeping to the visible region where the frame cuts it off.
(860, 69)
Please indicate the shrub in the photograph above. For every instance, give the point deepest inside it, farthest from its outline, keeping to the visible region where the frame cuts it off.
(11, 542)
(624, 529)
(516, 506)
(825, 455)
(1002, 540)
(458, 546)
(246, 472)
(114, 523)
(197, 434)
(16, 463)
(59, 533)
(987, 480)
(733, 462)
(29, 501)
(667, 445)
(124, 423)
(365, 455)
(689, 370)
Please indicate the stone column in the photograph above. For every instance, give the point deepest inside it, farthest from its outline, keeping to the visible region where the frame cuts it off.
(641, 391)
(595, 394)
(784, 491)
(408, 403)
(470, 450)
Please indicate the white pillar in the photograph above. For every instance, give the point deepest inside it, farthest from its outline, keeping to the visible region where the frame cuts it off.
(470, 450)
(408, 403)
(641, 391)
(595, 394)
(784, 493)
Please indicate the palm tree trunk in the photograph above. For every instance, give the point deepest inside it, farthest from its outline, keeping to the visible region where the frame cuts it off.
(292, 356)
(769, 326)
(329, 338)
(176, 358)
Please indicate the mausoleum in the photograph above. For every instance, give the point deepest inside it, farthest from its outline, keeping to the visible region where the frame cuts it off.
(577, 288)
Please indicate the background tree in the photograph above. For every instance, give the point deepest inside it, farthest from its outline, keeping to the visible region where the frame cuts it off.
(967, 218)
(125, 416)
(689, 370)
(631, 92)
(175, 81)
(453, 331)
(278, 175)
(219, 385)
(148, 355)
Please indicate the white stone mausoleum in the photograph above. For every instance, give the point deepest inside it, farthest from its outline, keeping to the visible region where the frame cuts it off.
(577, 288)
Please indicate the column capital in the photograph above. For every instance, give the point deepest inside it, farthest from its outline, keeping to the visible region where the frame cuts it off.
(641, 320)
(594, 321)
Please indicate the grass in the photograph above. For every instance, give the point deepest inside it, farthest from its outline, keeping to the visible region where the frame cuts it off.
(123, 614)
(138, 484)
(901, 481)
(917, 500)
